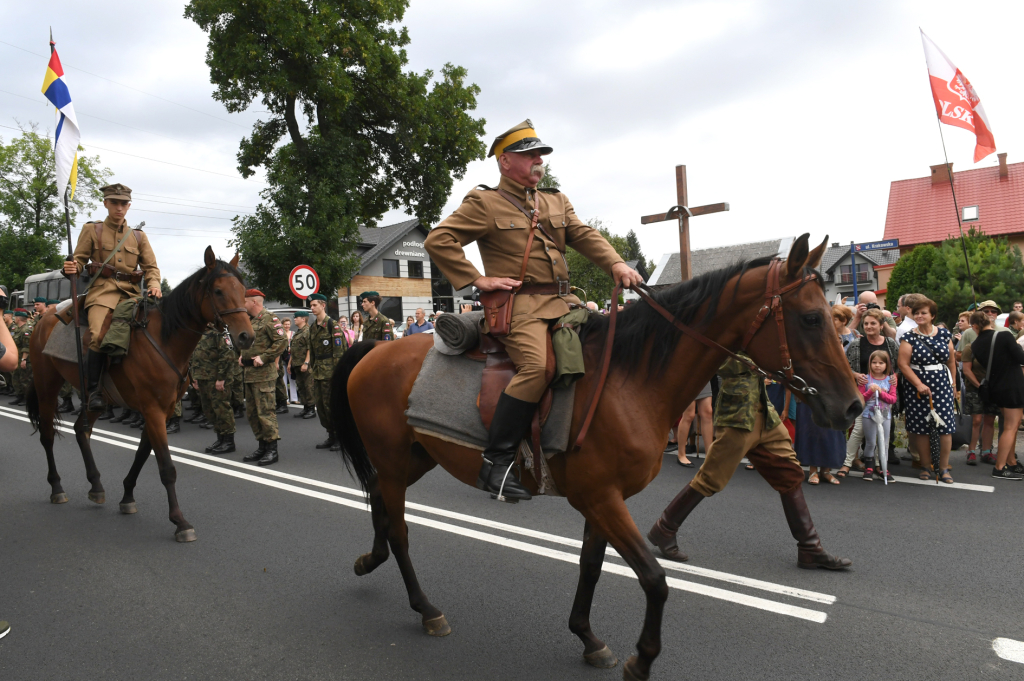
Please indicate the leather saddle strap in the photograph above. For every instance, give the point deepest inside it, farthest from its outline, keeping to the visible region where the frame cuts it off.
(598, 386)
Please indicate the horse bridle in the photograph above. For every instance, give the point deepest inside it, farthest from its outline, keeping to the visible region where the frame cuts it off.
(772, 304)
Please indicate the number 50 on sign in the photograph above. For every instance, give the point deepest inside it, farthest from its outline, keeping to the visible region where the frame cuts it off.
(303, 281)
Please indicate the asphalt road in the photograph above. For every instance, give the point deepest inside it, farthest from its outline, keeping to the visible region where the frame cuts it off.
(268, 591)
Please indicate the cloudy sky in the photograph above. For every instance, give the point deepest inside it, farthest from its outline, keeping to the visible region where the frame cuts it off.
(799, 114)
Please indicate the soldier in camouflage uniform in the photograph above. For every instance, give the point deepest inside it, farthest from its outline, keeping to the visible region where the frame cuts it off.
(210, 373)
(326, 346)
(746, 424)
(235, 386)
(299, 368)
(260, 375)
(376, 326)
(21, 336)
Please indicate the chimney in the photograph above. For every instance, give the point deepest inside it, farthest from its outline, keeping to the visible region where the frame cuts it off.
(940, 173)
(835, 244)
(1003, 170)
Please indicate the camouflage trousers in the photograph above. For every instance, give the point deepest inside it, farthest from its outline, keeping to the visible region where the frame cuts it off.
(236, 388)
(177, 409)
(65, 390)
(322, 390)
(304, 386)
(259, 410)
(280, 392)
(26, 379)
(16, 380)
(217, 407)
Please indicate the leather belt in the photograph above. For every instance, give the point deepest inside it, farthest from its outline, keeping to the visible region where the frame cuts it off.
(133, 277)
(558, 288)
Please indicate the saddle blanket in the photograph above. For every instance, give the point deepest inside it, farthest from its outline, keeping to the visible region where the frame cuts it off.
(61, 345)
(443, 404)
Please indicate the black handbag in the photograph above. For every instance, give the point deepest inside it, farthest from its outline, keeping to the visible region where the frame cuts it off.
(963, 424)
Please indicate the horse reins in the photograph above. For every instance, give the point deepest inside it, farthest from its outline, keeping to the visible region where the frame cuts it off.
(772, 304)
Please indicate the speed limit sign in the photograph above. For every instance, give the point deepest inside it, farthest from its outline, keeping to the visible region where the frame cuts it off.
(304, 281)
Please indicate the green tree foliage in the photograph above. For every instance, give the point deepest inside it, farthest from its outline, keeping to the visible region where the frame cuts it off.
(550, 180)
(33, 235)
(165, 287)
(588, 276)
(996, 268)
(910, 275)
(633, 252)
(363, 135)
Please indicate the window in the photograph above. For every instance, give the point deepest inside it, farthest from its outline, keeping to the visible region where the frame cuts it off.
(970, 213)
(863, 273)
(390, 268)
(415, 269)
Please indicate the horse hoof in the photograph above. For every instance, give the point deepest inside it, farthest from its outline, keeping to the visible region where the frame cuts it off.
(185, 535)
(602, 659)
(631, 674)
(129, 508)
(61, 498)
(98, 497)
(437, 626)
(360, 566)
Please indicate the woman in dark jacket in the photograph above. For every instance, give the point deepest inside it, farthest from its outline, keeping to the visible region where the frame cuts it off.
(1005, 384)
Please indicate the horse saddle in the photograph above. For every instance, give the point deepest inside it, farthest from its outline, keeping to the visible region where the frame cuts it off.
(498, 372)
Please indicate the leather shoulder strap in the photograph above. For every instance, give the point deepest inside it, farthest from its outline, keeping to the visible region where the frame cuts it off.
(533, 227)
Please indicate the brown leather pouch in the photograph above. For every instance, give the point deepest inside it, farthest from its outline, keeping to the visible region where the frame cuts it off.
(106, 271)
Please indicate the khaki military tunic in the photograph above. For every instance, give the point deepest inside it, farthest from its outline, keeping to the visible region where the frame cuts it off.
(106, 292)
(500, 231)
(378, 327)
(260, 404)
(327, 343)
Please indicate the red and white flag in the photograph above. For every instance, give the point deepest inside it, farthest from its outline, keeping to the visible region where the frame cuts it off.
(956, 102)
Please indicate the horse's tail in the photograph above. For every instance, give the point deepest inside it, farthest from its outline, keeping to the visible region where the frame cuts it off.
(32, 406)
(352, 449)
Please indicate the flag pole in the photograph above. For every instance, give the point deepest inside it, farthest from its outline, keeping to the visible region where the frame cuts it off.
(82, 387)
(959, 224)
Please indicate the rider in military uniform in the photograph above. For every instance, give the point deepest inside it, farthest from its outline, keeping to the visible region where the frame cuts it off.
(210, 372)
(746, 424)
(260, 375)
(376, 326)
(118, 258)
(495, 220)
(326, 346)
(299, 367)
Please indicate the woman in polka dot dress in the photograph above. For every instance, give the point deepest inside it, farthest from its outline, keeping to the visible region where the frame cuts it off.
(927, 360)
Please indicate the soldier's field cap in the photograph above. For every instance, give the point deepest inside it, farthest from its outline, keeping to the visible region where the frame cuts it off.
(52, 301)
(20, 313)
(117, 191)
(302, 313)
(367, 294)
(255, 293)
(317, 296)
(39, 300)
(517, 139)
(989, 303)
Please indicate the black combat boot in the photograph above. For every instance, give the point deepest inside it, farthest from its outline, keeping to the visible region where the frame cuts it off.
(225, 445)
(663, 534)
(209, 448)
(125, 414)
(66, 405)
(511, 422)
(282, 408)
(271, 456)
(200, 420)
(105, 416)
(240, 412)
(312, 412)
(258, 454)
(94, 367)
(196, 415)
(138, 421)
(329, 442)
(306, 408)
(173, 425)
(19, 400)
(810, 553)
(206, 425)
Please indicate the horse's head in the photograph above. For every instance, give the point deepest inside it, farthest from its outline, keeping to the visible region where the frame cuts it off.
(223, 299)
(814, 347)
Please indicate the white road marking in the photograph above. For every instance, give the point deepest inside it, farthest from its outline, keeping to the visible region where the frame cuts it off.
(1008, 649)
(129, 442)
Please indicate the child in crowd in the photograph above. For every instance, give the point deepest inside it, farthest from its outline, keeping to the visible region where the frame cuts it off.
(879, 395)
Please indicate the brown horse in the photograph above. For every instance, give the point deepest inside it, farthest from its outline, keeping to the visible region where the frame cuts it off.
(655, 372)
(145, 378)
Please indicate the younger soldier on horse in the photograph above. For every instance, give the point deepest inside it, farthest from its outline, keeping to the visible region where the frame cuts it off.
(500, 222)
(119, 259)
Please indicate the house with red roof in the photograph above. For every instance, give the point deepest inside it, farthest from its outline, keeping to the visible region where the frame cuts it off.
(990, 199)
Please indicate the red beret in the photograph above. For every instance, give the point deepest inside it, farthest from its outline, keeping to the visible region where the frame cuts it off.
(20, 309)
(253, 292)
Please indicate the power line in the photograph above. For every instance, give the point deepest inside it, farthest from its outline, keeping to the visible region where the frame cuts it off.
(82, 113)
(130, 87)
(210, 217)
(172, 203)
(180, 198)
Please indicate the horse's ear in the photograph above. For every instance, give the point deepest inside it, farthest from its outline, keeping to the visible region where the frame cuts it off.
(234, 260)
(797, 257)
(209, 258)
(814, 257)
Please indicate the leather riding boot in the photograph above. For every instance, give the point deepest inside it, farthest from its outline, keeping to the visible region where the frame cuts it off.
(311, 414)
(125, 414)
(66, 406)
(173, 425)
(663, 534)
(226, 446)
(94, 367)
(271, 456)
(511, 422)
(258, 454)
(105, 416)
(329, 442)
(810, 553)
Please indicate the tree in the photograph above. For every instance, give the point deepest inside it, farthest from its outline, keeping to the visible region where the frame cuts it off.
(32, 226)
(363, 135)
(996, 269)
(910, 275)
(550, 180)
(588, 276)
(165, 287)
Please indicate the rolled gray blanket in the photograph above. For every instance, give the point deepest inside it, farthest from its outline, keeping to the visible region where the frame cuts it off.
(460, 332)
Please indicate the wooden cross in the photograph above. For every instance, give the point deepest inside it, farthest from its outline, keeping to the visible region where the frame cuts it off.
(683, 212)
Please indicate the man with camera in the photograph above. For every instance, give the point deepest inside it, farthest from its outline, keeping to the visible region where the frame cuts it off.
(869, 301)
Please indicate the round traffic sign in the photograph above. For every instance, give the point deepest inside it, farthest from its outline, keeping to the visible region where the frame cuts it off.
(304, 281)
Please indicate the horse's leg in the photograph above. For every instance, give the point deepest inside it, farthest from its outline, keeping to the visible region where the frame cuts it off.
(156, 433)
(141, 456)
(611, 519)
(83, 428)
(45, 399)
(595, 652)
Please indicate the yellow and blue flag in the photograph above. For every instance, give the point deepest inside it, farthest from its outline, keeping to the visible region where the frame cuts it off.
(65, 146)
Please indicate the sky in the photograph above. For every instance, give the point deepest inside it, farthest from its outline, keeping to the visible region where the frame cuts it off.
(798, 114)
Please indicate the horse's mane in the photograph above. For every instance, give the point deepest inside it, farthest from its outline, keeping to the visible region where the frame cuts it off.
(639, 323)
(177, 308)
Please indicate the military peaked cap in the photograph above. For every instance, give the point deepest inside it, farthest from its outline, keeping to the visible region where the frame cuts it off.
(117, 191)
(519, 138)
